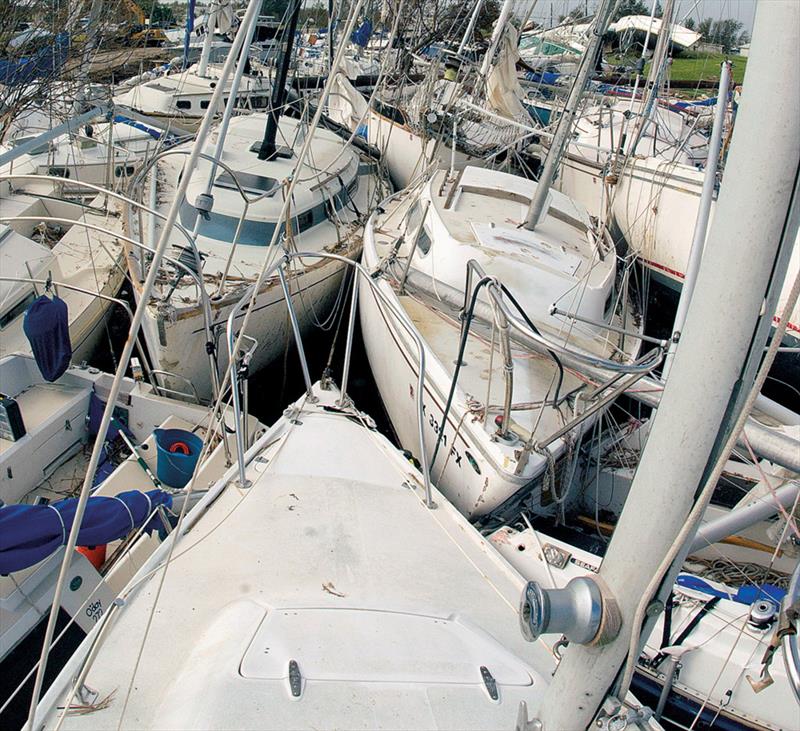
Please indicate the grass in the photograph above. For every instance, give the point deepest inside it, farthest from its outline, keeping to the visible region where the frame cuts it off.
(694, 66)
(705, 67)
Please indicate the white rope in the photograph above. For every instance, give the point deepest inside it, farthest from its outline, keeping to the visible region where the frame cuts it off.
(127, 509)
(63, 527)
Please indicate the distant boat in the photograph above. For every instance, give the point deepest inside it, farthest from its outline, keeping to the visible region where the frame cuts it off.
(185, 96)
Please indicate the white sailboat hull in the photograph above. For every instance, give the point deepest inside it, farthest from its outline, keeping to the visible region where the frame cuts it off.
(477, 471)
(654, 208)
(176, 337)
(480, 463)
(464, 470)
(654, 205)
(407, 154)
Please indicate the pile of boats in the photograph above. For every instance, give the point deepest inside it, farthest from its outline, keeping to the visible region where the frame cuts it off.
(561, 518)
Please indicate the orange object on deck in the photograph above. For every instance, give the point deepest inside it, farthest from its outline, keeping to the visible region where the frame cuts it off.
(95, 554)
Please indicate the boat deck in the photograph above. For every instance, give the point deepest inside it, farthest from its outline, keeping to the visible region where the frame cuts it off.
(388, 609)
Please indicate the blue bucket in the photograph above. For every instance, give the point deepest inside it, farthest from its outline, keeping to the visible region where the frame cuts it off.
(174, 466)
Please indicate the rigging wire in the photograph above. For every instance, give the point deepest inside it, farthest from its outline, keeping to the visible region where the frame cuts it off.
(705, 494)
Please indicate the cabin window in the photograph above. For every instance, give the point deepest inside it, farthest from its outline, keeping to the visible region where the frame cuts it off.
(204, 103)
(58, 172)
(423, 241)
(259, 102)
(124, 171)
(183, 104)
(305, 220)
(13, 313)
(250, 183)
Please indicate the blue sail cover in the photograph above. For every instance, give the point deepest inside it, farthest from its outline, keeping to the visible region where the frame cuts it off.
(746, 594)
(169, 138)
(46, 326)
(361, 36)
(44, 63)
(30, 533)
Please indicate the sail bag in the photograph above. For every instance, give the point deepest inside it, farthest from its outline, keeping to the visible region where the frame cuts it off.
(46, 326)
(30, 533)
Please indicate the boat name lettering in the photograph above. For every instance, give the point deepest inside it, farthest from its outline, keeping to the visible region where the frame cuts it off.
(583, 564)
(434, 424)
(95, 610)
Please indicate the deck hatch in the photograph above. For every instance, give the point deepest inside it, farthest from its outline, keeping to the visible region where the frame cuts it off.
(352, 644)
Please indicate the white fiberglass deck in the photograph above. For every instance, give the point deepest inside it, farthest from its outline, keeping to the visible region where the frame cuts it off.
(563, 261)
(331, 560)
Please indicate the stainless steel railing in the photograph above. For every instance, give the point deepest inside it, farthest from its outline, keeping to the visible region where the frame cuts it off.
(361, 275)
(506, 321)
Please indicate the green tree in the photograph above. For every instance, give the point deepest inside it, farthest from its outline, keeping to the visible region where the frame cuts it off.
(630, 7)
(577, 13)
(456, 18)
(274, 7)
(727, 32)
(704, 29)
(155, 12)
(490, 12)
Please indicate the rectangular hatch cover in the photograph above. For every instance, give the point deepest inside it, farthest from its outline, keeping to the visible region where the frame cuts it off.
(376, 646)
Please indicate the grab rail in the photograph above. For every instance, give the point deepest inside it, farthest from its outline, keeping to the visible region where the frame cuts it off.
(505, 320)
(156, 372)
